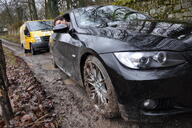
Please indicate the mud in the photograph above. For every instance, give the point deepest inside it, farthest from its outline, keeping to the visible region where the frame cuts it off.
(28, 99)
(71, 104)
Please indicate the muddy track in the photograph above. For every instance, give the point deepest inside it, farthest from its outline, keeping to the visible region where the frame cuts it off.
(71, 104)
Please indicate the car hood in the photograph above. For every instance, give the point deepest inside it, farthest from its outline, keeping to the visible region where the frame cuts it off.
(146, 35)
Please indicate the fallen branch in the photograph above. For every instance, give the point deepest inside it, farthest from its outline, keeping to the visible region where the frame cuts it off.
(37, 121)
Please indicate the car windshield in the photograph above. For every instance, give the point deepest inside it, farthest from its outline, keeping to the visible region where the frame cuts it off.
(40, 25)
(104, 16)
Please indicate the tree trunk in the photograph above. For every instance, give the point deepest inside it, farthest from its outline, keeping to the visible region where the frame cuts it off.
(68, 4)
(19, 11)
(8, 10)
(30, 10)
(35, 16)
(46, 9)
(7, 111)
(53, 8)
(82, 3)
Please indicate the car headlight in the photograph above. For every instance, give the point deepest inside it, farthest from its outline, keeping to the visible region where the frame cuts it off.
(38, 39)
(146, 60)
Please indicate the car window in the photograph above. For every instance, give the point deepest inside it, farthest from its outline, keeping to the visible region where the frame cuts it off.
(105, 16)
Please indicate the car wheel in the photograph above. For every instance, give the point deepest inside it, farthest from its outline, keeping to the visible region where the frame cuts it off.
(25, 50)
(99, 88)
(48, 50)
(33, 50)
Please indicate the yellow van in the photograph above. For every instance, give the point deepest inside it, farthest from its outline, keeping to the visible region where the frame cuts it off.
(34, 35)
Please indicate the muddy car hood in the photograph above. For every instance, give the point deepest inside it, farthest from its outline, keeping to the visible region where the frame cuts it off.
(142, 35)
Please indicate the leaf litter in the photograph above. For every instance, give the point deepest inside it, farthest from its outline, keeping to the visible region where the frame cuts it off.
(32, 108)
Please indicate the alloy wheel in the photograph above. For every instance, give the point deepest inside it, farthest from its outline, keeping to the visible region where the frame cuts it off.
(94, 82)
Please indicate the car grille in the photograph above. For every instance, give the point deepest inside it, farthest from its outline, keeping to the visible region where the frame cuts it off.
(165, 103)
(45, 38)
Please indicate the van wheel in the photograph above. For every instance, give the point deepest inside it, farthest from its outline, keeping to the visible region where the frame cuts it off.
(33, 50)
(48, 50)
(26, 51)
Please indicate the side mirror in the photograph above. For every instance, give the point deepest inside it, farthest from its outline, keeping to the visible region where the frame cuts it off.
(61, 28)
(26, 32)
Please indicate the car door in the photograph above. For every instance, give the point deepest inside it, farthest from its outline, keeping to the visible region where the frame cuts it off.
(28, 38)
(66, 48)
(77, 45)
(56, 51)
(63, 52)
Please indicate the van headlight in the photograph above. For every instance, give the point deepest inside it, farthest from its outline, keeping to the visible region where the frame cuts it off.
(147, 60)
(38, 39)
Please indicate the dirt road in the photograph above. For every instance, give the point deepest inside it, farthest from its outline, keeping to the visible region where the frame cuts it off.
(70, 101)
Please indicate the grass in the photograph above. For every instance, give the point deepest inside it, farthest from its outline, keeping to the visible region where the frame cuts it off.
(9, 56)
(12, 38)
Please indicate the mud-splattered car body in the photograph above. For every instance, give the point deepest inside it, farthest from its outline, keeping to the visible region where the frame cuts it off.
(149, 61)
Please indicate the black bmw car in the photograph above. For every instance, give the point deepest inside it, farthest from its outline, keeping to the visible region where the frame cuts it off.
(128, 62)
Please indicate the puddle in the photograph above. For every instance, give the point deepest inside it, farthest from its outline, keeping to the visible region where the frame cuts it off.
(21, 54)
(48, 67)
(69, 82)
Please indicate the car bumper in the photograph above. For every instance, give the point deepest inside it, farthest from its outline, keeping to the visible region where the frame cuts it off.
(166, 91)
(38, 46)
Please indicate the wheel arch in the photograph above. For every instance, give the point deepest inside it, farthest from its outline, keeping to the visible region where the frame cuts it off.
(84, 56)
(82, 63)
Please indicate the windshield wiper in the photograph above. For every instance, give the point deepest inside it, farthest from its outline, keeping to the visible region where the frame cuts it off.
(102, 25)
(44, 29)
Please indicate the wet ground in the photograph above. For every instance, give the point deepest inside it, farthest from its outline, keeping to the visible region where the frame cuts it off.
(70, 101)
(31, 106)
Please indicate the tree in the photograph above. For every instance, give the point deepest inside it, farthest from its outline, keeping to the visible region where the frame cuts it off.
(32, 9)
(7, 111)
(18, 10)
(8, 11)
(69, 2)
(46, 9)
(35, 16)
(53, 9)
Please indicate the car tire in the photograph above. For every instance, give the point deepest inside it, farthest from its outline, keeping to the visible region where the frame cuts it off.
(33, 52)
(100, 88)
(48, 50)
(25, 50)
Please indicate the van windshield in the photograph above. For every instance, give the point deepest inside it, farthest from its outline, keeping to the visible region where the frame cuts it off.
(40, 25)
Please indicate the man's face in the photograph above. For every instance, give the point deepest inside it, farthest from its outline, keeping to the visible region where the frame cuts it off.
(61, 22)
